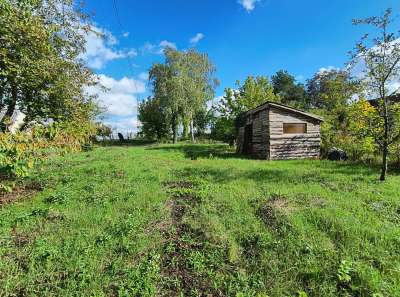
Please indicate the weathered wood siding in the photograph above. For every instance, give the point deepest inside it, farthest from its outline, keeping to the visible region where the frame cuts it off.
(240, 140)
(260, 143)
(292, 146)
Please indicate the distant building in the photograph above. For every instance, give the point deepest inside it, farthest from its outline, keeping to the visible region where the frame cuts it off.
(274, 131)
(393, 98)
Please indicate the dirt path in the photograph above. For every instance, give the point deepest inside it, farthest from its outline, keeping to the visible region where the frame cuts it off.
(180, 242)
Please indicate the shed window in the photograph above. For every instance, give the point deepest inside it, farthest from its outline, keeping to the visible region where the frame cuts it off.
(294, 128)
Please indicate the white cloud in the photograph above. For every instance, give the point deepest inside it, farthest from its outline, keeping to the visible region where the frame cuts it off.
(214, 103)
(157, 48)
(327, 69)
(195, 39)
(99, 48)
(165, 43)
(123, 125)
(125, 34)
(120, 97)
(249, 5)
(143, 76)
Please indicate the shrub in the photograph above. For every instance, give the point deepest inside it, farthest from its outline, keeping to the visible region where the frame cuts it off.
(20, 151)
(395, 154)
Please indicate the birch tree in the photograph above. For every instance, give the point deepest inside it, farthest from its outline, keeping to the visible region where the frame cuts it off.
(184, 83)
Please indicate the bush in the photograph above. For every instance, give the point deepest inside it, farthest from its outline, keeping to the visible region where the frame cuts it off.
(19, 152)
(395, 154)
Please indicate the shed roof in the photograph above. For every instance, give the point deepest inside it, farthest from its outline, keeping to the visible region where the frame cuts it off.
(286, 108)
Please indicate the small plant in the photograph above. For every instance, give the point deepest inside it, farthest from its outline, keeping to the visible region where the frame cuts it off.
(345, 268)
(6, 188)
(302, 294)
(56, 198)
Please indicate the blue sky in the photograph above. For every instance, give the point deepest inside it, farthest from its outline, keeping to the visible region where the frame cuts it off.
(246, 37)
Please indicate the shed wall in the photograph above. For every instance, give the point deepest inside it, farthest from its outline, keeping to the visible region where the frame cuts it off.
(260, 143)
(292, 146)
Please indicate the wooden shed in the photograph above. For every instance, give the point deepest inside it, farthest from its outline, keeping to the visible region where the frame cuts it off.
(274, 131)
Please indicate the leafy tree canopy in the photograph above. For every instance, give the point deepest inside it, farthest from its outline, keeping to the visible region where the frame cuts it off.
(290, 92)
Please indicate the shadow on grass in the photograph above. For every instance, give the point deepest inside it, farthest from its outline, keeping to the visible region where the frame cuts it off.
(195, 151)
(131, 142)
(275, 171)
(336, 177)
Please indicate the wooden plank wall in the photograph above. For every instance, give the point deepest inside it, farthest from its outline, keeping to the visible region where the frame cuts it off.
(292, 146)
(240, 141)
(260, 143)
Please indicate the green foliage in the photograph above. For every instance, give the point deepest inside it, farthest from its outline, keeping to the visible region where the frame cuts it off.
(40, 71)
(223, 129)
(332, 90)
(182, 86)
(302, 294)
(103, 131)
(344, 271)
(290, 92)
(253, 92)
(19, 152)
(153, 119)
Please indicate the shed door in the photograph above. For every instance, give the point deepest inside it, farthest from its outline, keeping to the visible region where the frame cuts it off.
(248, 137)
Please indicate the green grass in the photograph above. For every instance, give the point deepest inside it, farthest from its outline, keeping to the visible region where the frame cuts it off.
(196, 220)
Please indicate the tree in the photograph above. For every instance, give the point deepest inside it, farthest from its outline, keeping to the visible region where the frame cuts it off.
(331, 89)
(332, 92)
(167, 90)
(194, 73)
(153, 119)
(183, 84)
(290, 92)
(253, 92)
(202, 120)
(225, 113)
(380, 55)
(40, 73)
(103, 130)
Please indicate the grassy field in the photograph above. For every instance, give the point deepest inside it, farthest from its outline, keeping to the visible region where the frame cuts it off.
(191, 220)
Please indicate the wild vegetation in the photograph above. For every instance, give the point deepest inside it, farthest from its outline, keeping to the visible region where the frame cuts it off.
(43, 79)
(198, 220)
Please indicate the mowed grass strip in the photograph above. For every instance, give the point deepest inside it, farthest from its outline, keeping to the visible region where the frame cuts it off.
(197, 220)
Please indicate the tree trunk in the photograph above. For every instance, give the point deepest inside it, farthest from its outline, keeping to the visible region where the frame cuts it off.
(192, 130)
(13, 103)
(185, 132)
(10, 108)
(174, 130)
(2, 105)
(385, 149)
(384, 163)
(175, 135)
